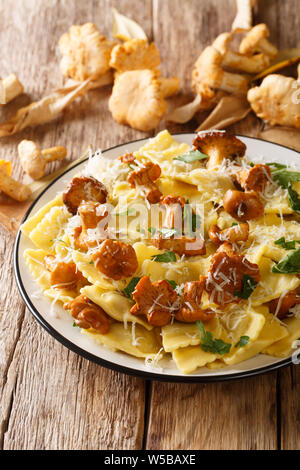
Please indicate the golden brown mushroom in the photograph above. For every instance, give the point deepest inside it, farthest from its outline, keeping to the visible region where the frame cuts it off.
(10, 88)
(209, 76)
(218, 145)
(115, 259)
(11, 187)
(256, 41)
(88, 315)
(282, 305)
(250, 64)
(254, 179)
(34, 160)
(63, 275)
(277, 101)
(243, 205)
(135, 54)
(237, 233)
(85, 52)
(191, 310)
(91, 214)
(83, 188)
(138, 98)
(226, 276)
(157, 300)
(146, 177)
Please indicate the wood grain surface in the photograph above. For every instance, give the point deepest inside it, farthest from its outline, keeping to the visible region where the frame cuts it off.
(50, 397)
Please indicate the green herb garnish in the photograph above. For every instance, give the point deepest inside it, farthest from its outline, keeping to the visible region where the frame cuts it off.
(209, 343)
(242, 342)
(168, 256)
(131, 286)
(172, 283)
(276, 166)
(191, 156)
(234, 224)
(74, 324)
(152, 231)
(129, 212)
(291, 245)
(249, 284)
(285, 177)
(290, 264)
(294, 199)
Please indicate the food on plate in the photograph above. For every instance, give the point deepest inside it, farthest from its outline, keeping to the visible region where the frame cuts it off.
(8, 185)
(83, 188)
(10, 88)
(85, 52)
(277, 101)
(138, 98)
(206, 273)
(34, 160)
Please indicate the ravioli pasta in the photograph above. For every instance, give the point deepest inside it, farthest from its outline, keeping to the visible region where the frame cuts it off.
(209, 280)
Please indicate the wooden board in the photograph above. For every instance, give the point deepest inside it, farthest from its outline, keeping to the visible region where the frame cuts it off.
(50, 397)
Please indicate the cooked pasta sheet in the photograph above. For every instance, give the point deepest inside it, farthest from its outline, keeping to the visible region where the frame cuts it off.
(187, 253)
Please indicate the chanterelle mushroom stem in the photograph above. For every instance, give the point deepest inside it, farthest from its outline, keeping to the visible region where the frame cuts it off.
(256, 41)
(10, 88)
(34, 160)
(218, 145)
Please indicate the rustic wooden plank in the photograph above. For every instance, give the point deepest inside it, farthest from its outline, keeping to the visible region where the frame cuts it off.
(241, 415)
(214, 416)
(290, 408)
(283, 19)
(51, 398)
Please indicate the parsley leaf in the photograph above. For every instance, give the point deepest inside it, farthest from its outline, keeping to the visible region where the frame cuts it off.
(290, 264)
(285, 177)
(152, 231)
(209, 343)
(168, 256)
(242, 342)
(130, 211)
(294, 199)
(249, 284)
(277, 166)
(291, 245)
(131, 286)
(191, 156)
(172, 283)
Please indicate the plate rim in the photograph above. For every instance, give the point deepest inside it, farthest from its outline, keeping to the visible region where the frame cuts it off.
(112, 365)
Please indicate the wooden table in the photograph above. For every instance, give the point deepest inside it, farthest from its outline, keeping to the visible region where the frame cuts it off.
(50, 397)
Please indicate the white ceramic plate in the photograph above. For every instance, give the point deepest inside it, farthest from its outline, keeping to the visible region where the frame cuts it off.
(60, 326)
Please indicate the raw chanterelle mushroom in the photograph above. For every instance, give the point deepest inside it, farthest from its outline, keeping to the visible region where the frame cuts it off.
(209, 76)
(138, 98)
(85, 52)
(10, 88)
(218, 145)
(34, 160)
(277, 100)
(136, 54)
(244, 63)
(256, 41)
